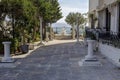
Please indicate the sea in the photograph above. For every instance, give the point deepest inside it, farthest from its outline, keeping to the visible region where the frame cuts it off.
(59, 30)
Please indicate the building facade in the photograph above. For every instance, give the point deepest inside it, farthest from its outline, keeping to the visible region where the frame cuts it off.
(107, 13)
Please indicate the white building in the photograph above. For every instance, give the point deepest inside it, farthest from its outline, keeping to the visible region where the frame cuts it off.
(107, 14)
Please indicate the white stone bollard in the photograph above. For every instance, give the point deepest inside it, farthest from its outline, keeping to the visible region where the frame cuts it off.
(85, 41)
(90, 59)
(7, 57)
(90, 49)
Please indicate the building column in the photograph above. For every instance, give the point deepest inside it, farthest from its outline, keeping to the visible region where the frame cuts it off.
(114, 17)
(117, 18)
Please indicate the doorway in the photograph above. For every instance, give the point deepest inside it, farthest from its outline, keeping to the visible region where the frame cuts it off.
(108, 20)
(119, 20)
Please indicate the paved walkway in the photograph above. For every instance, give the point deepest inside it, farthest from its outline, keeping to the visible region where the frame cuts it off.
(59, 62)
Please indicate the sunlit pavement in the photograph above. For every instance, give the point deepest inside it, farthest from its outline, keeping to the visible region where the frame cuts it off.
(58, 60)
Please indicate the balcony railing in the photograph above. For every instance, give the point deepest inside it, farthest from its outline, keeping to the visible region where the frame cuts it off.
(110, 38)
(106, 37)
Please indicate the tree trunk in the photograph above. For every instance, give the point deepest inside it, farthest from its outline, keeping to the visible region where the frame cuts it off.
(51, 35)
(73, 32)
(92, 22)
(34, 33)
(44, 31)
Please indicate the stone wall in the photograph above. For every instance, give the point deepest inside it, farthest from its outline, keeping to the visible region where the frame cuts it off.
(63, 37)
(112, 53)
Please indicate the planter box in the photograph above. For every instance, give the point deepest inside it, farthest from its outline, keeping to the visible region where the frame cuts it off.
(31, 46)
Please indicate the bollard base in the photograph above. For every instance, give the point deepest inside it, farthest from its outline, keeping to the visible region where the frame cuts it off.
(8, 60)
(90, 62)
(89, 57)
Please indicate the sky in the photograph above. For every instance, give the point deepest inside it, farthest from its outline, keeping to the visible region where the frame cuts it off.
(68, 6)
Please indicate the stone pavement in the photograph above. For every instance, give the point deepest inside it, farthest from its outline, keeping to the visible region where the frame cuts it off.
(59, 62)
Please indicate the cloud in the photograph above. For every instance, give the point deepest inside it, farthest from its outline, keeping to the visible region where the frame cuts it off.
(67, 10)
(74, 3)
(68, 6)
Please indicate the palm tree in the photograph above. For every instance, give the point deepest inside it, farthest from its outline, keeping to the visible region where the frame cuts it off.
(71, 19)
(75, 19)
(81, 19)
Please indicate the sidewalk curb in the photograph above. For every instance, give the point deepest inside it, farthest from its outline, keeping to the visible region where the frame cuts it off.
(29, 52)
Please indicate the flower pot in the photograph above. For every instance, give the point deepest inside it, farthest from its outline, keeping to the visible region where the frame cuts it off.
(24, 48)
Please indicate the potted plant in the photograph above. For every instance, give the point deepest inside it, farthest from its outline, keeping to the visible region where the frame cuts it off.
(95, 45)
(92, 36)
(1, 48)
(24, 46)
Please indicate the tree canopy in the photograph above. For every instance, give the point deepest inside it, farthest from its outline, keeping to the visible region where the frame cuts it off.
(23, 15)
(75, 19)
(26, 13)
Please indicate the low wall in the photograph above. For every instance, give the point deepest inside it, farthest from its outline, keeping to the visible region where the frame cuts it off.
(63, 37)
(112, 53)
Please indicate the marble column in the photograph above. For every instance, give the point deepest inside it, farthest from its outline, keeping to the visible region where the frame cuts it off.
(90, 49)
(90, 59)
(7, 57)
